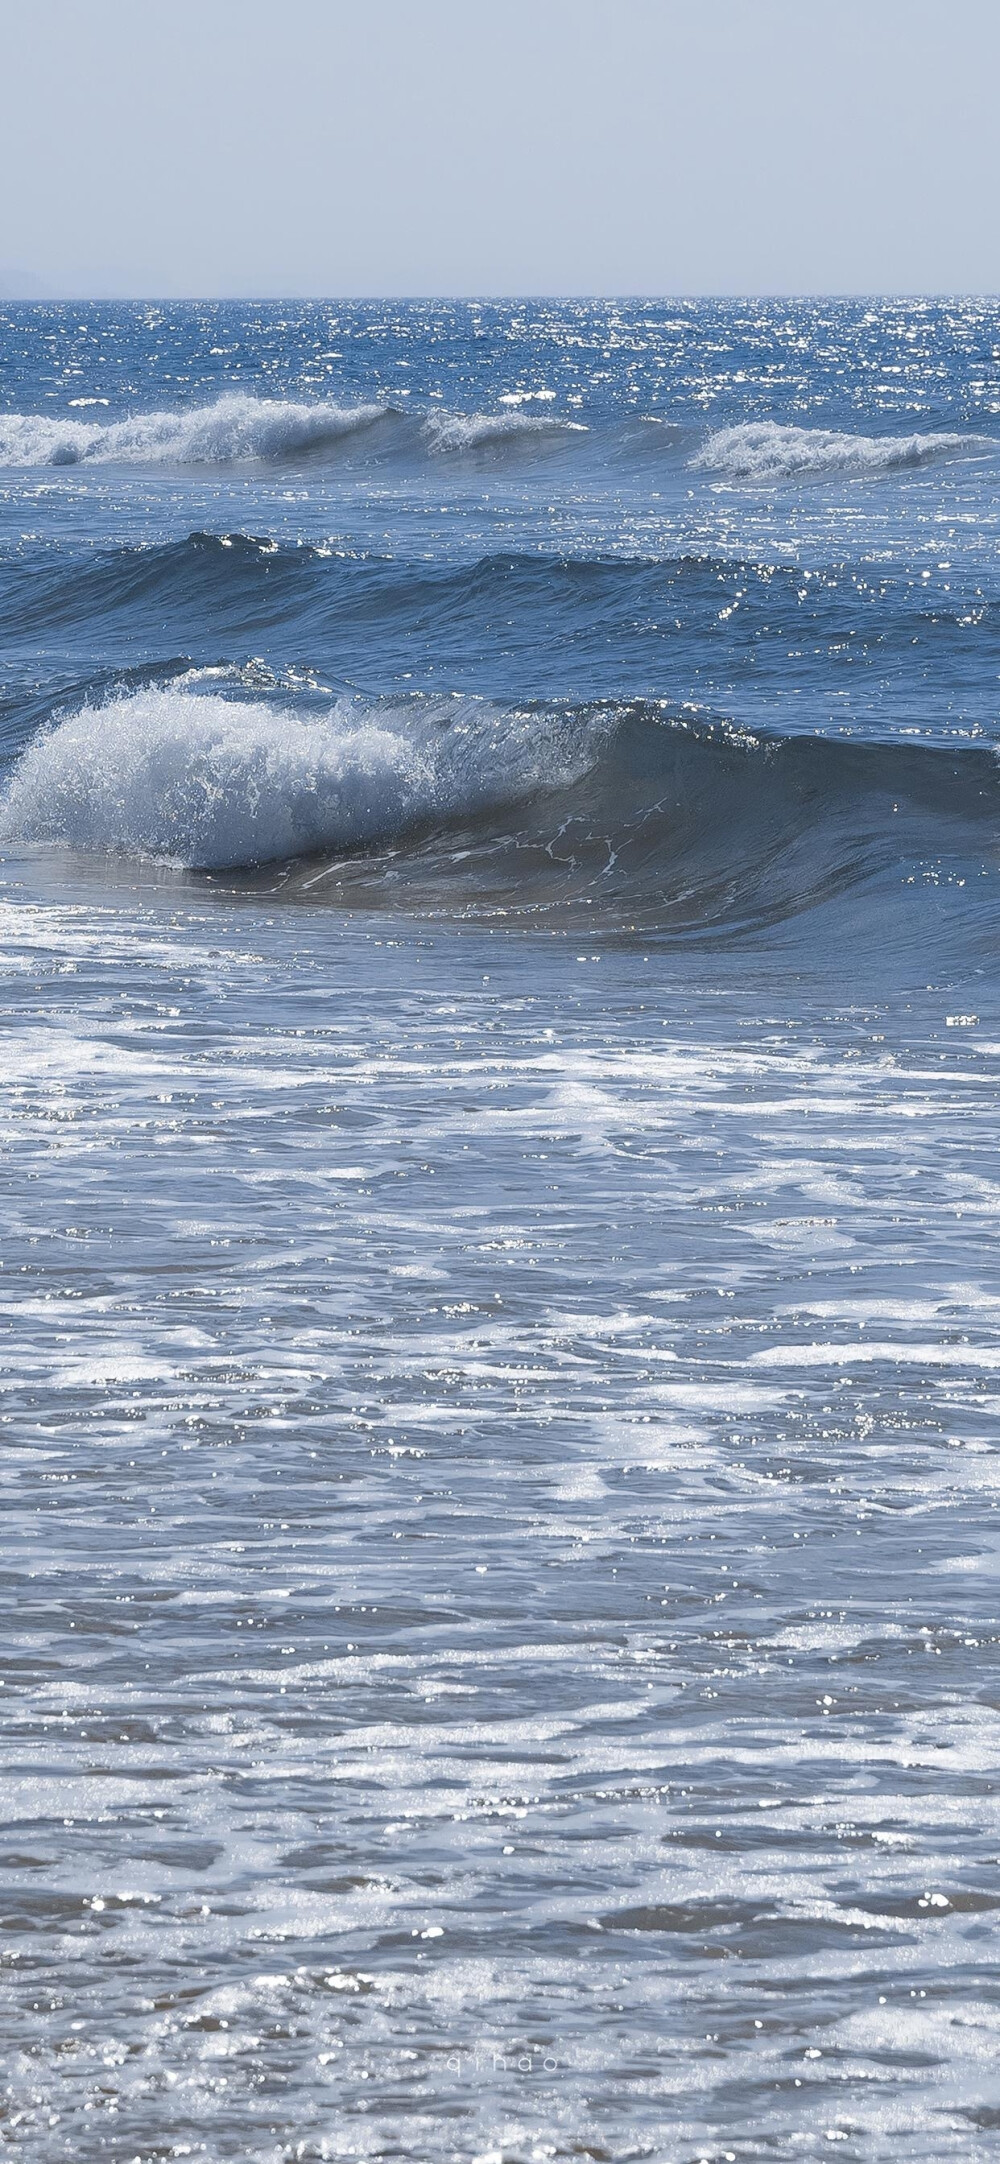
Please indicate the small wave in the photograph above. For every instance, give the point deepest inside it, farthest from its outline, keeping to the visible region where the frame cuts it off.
(209, 782)
(235, 428)
(480, 431)
(768, 451)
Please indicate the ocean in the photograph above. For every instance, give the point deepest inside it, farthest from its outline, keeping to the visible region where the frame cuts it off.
(500, 1355)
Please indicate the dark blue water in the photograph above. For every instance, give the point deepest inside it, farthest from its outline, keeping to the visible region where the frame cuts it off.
(499, 1317)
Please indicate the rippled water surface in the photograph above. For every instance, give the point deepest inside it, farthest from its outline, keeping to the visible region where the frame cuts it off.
(500, 1355)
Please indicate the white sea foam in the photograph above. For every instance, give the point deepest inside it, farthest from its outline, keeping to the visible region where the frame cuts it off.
(768, 451)
(202, 780)
(237, 427)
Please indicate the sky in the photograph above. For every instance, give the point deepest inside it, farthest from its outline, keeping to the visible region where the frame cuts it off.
(315, 147)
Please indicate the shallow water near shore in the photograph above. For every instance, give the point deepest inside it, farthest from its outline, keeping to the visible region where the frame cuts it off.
(500, 1355)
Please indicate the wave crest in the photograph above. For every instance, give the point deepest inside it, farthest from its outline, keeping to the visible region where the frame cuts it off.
(235, 428)
(479, 431)
(770, 451)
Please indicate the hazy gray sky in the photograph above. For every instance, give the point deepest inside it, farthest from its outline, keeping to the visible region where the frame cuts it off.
(530, 146)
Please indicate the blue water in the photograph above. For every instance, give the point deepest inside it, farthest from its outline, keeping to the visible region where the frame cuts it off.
(499, 836)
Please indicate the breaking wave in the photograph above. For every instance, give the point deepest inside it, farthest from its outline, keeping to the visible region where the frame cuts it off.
(766, 451)
(205, 781)
(234, 428)
(240, 427)
(622, 813)
(243, 428)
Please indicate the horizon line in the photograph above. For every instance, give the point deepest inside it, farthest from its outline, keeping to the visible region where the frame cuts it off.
(483, 298)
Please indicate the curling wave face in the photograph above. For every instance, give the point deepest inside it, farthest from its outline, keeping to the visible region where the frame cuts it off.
(611, 813)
